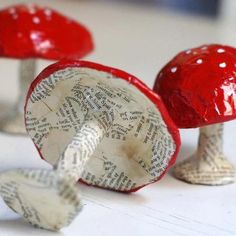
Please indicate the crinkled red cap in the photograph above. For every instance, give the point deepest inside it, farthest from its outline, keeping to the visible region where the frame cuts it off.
(29, 31)
(153, 97)
(198, 86)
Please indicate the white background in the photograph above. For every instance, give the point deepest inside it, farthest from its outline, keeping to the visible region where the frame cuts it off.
(139, 40)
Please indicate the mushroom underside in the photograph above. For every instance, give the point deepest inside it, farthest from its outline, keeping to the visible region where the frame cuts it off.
(134, 151)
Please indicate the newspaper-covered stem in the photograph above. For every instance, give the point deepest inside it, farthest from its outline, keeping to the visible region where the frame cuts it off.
(208, 165)
(84, 143)
(210, 143)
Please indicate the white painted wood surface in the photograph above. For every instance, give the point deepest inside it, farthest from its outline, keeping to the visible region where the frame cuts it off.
(139, 40)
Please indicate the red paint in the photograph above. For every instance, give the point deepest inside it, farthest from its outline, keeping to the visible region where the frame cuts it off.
(30, 31)
(120, 74)
(198, 86)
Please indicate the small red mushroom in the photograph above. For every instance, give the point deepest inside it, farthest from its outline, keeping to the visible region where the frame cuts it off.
(198, 87)
(28, 32)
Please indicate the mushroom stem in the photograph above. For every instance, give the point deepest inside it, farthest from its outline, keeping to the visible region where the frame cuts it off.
(26, 72)
(14, 121)
(76, 155)
(210, 144)
(208, 165)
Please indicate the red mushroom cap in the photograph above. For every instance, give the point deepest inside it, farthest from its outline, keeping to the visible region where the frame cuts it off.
(198, 86)
(29, 31)
(116, 73)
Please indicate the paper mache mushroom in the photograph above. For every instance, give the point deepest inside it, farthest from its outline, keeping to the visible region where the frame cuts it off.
(93, 123)
(107, 127)
(28, 32)
(198, 87)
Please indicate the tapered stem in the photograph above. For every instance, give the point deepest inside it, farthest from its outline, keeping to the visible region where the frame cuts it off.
(84, 143)
(210, 143)
(26, 74)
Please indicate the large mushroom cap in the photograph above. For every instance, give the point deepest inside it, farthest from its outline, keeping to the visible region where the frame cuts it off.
(29, 31)
(198, 86)
(139, 147)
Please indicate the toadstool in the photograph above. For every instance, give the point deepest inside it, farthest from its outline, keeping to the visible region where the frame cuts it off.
(28, 32)
(100, 125)
(198, 87)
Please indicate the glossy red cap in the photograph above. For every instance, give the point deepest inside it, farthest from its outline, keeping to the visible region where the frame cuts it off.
(198, 86)
(153, 97)
(30, 31)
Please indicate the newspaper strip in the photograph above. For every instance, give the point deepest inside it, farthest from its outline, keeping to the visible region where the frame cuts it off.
(72, 163)
(13, 122)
